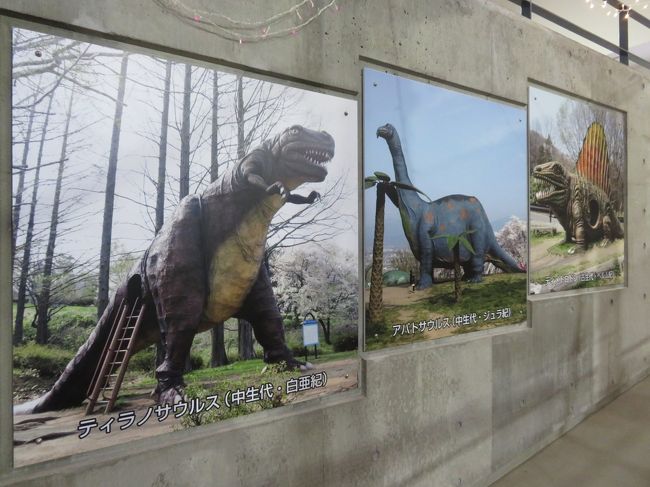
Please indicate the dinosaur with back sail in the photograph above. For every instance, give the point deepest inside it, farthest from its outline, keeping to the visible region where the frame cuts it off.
(581, 201)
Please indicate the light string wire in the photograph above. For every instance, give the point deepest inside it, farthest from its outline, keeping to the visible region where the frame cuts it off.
(240, 30)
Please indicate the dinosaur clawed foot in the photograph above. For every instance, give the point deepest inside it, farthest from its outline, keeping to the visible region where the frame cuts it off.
(424, 283)
(297, 364)
(576, 249)
(304, 367)
(293, 364)
(286, 360)
(172, 395)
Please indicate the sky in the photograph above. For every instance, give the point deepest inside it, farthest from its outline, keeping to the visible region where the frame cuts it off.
(92, 125)
(544, 106)
(453, 142)
(545, 117)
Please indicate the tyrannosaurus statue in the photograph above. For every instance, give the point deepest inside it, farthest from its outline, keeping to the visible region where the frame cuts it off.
(580, 200)
(456, 214)
(206, 265)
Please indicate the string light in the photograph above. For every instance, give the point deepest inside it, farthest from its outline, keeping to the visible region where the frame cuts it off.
(285, 23)
(623, 10)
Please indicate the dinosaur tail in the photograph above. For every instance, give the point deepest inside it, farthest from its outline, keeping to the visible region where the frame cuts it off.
(503, 260)
(71, 387)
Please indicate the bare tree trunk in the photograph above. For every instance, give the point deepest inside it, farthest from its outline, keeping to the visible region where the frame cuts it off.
(27, 250)
(185, 134)
(214, 141)
(240, 114)
(218, 354)
(244, 328)
(162, 171)
(46, 287)
(246, 350)
(457, 290)
(376, 305)
(326, 330)
(107, 227)
(162, 152)
(21, 182)
(185, 153)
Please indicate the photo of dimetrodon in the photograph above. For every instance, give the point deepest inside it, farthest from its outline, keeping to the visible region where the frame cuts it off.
(445, 211)
(577, 193)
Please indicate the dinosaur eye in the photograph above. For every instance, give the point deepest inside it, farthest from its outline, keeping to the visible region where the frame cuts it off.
(294, 130)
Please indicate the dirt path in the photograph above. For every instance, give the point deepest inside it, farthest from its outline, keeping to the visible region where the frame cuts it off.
(45, 436)
(541, 259)
(402, 297)
(596, 259)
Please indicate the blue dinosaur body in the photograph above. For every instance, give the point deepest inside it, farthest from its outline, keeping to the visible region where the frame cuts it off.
(425, 223)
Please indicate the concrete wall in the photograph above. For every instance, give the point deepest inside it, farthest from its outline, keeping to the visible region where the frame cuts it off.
(460, 411)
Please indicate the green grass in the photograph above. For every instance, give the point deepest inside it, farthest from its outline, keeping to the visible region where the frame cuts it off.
(539, 235)
(495, 292)
(68, 327)
(599, 283)
(66, 311)
(562, 248)
(49, 361)
(242, 369)
(29, 311)
(38, 366)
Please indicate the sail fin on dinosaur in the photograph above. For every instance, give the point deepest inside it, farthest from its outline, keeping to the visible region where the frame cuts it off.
(593, 162)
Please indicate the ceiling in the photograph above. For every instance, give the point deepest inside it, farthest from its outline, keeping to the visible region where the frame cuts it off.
(595, 20)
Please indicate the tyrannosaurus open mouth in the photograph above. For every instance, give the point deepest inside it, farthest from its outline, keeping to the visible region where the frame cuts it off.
(306, 152)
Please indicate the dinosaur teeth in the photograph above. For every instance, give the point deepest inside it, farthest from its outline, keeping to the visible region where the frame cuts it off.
(318, 157)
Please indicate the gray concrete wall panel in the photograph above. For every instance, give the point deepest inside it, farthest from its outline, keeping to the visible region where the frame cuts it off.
(458, 411)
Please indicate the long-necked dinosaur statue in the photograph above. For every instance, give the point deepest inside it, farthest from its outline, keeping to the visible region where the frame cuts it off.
(205, 266)
(450, 215)
(580, 200)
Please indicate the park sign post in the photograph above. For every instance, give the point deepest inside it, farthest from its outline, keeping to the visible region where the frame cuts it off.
(310, 334)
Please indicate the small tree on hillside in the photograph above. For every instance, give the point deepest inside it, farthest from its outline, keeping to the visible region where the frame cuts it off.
(384, 187)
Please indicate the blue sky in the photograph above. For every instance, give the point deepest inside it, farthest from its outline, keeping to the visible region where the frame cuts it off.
(453, 142)
(544, 107)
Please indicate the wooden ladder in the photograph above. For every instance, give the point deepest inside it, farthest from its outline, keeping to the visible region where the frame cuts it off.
(117, 352)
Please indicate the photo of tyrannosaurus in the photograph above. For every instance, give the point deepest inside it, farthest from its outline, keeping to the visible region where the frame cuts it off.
(206, 265)
(456, 214)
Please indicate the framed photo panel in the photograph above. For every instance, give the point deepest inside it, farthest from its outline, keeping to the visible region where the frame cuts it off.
(577, 156)
(445, 214)
(174, 224)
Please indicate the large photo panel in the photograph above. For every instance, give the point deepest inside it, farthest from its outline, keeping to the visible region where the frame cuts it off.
(577, 157)
(445, 211)
(185, 245)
